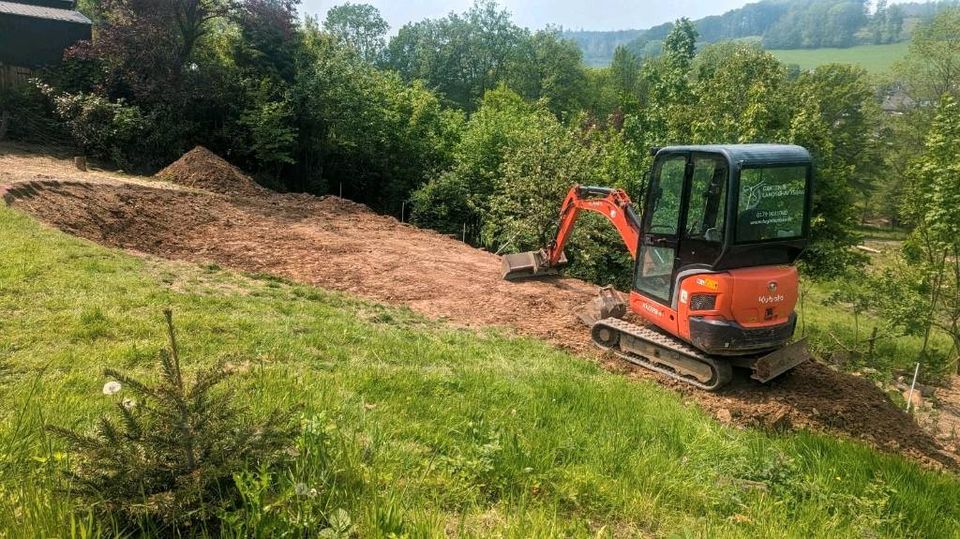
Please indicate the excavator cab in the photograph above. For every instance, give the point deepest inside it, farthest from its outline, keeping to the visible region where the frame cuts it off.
(714, 249)
(721, 228)
(712, 208)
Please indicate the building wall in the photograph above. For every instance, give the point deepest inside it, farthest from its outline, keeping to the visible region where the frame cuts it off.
(33, 42)
(11, 76)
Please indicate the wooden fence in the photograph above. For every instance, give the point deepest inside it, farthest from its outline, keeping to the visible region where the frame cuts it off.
(11, 76)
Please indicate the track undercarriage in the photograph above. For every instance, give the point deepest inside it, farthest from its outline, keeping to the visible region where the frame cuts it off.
(649, 348)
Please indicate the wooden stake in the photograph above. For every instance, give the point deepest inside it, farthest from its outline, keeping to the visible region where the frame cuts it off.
(913, 385)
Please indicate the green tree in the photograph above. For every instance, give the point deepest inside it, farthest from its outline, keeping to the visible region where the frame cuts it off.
(272, 136)
(503, 121)
(680, 46)
(364, 129)
(268, 40)
(461, 55)
(886, 24)
(848, 105)
(535, 176)
(551, 68)
(834, 214)
(932, 67)
(932, 200)
(739, 96)
(625, 73)
(361, 27)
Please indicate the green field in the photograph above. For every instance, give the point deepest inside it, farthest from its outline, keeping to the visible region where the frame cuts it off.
(873, 58)
(428, 430)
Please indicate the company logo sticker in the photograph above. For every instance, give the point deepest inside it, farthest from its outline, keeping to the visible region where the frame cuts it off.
(708, 283)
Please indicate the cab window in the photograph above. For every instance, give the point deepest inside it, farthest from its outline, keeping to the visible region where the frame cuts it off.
(771, 203)
(705, 217)
(665, 215)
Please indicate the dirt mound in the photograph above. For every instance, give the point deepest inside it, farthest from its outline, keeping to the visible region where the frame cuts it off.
(342, 245)
(202, 169)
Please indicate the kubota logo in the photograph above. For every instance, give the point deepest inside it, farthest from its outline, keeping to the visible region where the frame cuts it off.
(652, 310)
(770, 299)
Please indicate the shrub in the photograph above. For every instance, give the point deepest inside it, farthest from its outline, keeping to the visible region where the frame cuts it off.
(103, 128)
(25, 111)
(170, 457)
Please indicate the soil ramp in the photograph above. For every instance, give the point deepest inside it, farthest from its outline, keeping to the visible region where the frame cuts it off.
(341, 245)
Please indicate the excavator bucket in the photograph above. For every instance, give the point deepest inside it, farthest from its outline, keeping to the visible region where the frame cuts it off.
(529, 265)
(775, 363)
(608, 304)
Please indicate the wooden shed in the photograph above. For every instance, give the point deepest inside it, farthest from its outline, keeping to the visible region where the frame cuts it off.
(35, 33)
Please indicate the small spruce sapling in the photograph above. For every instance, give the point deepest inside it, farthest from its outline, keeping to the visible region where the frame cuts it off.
(170, 455)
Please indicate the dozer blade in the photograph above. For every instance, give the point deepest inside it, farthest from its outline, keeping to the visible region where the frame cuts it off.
(608, 304)
(529, 265)
(775, 363)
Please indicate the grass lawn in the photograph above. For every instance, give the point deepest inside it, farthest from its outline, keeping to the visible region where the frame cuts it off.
(873, 58)
(428, 430)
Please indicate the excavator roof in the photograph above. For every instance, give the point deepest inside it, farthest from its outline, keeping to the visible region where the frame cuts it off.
(749, 153)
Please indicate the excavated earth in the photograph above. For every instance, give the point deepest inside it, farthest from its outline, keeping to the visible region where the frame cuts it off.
(340, 245)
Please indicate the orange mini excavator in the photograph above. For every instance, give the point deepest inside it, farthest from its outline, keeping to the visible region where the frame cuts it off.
(714, 281)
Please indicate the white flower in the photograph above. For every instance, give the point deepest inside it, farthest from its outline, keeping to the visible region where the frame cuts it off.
(111, 388)
(128, 403)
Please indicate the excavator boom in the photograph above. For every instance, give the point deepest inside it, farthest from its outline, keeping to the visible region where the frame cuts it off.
(614, 204)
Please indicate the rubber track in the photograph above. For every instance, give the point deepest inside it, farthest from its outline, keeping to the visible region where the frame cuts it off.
(722, 371)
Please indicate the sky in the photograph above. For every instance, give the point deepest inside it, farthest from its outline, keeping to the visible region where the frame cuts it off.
(571, 14)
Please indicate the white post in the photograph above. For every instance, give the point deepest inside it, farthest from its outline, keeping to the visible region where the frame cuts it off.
(913, 385)
(464, 239)
(403, 206)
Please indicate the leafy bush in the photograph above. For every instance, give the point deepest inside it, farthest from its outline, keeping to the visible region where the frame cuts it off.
(28, 118)
(171, 455)
(103, 128)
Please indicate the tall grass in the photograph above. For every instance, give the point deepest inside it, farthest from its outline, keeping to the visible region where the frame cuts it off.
(411, 427)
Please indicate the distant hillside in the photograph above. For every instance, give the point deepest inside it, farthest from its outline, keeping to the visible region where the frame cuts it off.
(873, 58)
(777, 24)
(598, 46)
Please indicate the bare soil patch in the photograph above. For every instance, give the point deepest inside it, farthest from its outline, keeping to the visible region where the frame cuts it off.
(341, 245)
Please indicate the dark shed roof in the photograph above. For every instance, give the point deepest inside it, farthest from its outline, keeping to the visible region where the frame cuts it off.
(751, 153)
(61, 4)
(42, 12)
(34, 36)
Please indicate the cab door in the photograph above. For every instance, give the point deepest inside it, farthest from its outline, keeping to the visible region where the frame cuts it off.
(705, 209)
(657, 255)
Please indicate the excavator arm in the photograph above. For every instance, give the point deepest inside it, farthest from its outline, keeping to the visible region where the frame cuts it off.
(614, 204)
